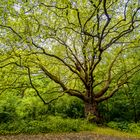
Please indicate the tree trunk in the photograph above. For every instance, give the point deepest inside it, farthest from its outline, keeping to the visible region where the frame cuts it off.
(92, 113)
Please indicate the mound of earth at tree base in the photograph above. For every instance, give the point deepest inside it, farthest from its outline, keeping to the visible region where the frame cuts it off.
(67, 136)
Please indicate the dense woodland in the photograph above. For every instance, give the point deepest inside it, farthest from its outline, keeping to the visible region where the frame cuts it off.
(66, 65)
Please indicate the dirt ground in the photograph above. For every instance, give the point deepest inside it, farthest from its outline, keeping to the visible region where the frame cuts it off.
(68, 136)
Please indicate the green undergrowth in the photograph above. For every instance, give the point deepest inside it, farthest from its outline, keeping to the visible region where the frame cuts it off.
(125, 126)
(49, 124)
(58, 124)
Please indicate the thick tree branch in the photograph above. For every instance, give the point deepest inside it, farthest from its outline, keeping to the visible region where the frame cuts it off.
(108, 81)
(61, 60)
(101, 99)
(119, 85)
(71, 92)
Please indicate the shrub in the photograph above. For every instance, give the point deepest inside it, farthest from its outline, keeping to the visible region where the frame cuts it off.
(50, 124)
(5, 117)
(69, 107)
(59, 124)
(125, 126)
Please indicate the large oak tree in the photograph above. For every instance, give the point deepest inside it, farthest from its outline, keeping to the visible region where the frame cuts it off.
(87, 48)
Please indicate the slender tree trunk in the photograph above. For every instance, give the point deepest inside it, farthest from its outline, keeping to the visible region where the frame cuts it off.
(91, 112)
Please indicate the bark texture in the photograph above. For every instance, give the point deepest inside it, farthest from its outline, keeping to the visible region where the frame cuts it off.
(92, 112)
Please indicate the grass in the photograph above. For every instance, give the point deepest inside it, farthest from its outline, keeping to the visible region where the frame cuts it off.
(116, 133)
(98, 133)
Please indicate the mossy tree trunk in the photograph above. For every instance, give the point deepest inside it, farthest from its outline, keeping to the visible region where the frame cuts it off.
(91, 112)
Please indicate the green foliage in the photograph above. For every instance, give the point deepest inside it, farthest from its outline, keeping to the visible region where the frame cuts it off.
(125, 126)
(50, 124)
(68, 107)
(5, 117)
(8, 104)
(59, 124)
(31, 108)
(124, 106)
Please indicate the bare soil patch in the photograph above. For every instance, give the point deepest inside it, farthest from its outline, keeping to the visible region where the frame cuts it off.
(66, 136)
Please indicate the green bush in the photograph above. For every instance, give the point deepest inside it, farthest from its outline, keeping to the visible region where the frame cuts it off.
(13, 127)
(134, 127)
(5, 117)
(125, 126)
(30, 108)
(68, 107)
(59, 124)
(50, 124)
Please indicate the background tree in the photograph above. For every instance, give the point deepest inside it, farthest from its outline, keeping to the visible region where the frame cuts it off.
(86, 48)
